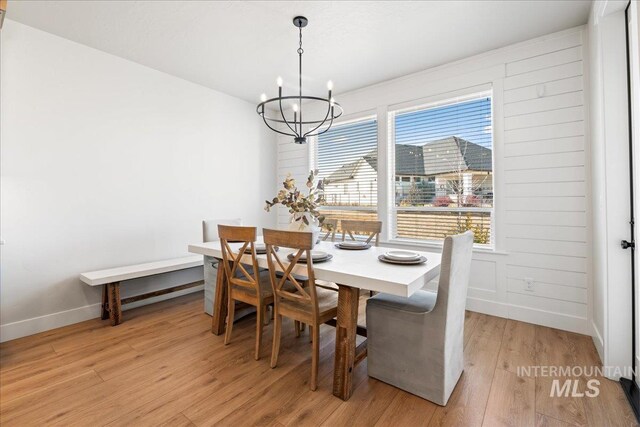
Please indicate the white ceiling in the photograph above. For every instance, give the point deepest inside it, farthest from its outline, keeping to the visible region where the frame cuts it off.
(241, 47)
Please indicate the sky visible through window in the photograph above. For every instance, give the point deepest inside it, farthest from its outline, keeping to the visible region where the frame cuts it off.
(469, 120)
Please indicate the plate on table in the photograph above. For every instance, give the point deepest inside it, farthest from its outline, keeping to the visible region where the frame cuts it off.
(400, 255)
(354, 246)
(420, 260)
(316, 256)
(261, 249)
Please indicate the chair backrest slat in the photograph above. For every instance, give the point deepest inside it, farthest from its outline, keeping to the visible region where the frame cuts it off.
(371, 229)
(303, 243)
(235, 270)
(330, 226)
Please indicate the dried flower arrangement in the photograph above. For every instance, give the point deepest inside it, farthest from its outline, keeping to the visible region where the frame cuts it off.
(303, 207)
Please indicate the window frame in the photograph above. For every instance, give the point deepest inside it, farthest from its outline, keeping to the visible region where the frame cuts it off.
(440, 100)
(313, 155)
(386, 161)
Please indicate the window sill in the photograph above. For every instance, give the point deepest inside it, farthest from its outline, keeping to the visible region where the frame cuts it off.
(434, 245)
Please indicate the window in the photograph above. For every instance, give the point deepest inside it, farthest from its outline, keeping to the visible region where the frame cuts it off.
(443, 154)
(347, 160)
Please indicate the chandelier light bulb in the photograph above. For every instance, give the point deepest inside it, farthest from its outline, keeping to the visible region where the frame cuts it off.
(330, 85)
(295, 108)
(332, 101)
(279, 81)
(263, 97)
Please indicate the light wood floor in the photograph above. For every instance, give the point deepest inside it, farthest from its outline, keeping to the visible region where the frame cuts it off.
(162, 366)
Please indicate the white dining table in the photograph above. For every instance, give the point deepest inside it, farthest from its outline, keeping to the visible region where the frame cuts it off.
(351, 270)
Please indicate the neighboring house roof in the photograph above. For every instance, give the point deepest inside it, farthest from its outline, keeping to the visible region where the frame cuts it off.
(432, 158)
(347, 171)
(455, 154)
(410, 160)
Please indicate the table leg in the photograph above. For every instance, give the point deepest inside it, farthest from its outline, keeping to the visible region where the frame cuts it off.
(345, 355)
(105, 302)
(219, 302)
(115, 307)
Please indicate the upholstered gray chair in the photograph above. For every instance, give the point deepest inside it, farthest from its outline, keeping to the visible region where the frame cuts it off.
(210, 234)
(416, 343)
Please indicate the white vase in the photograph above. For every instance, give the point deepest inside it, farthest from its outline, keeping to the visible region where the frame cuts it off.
(312, 225)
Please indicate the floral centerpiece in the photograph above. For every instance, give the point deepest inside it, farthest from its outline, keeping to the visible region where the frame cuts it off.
(302, 207)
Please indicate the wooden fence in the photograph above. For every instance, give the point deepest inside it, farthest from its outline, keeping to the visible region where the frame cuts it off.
(426, 225)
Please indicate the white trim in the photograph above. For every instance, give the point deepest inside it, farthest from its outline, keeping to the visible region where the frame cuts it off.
(437, 244)
(384, 186)
(492, 308)
(549, 319)
(355, 117)
(23, 328)
(597, 341)
(526, 314)
(586, 74)
(444, 99)
(438, 209)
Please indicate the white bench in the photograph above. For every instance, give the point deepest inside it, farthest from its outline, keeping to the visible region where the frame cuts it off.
(110, 281)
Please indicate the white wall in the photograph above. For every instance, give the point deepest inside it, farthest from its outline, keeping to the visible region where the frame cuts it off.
(107, 163)
(611, 327)
(541, 172)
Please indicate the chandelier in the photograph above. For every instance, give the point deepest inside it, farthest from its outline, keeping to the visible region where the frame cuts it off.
(287, 119)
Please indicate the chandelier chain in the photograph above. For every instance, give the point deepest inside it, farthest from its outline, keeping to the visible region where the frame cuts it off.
(300, 52)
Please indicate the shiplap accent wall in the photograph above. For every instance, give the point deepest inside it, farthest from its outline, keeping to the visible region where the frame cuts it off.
(542, 219)
(546, 225)
(292, 159)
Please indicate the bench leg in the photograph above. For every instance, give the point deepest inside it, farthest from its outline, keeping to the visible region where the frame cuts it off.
(105, 303)
(115, 307)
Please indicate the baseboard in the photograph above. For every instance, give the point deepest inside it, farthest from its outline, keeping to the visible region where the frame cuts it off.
(525, 314)
(23, 328)
(549, 319)
(492, 308)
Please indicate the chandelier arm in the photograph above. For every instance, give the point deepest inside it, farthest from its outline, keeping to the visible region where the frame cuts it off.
(325, 130)
(275, 130)
(285, 119)
(325, 119)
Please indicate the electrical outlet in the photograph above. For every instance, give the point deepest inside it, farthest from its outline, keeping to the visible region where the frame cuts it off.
(528, 284)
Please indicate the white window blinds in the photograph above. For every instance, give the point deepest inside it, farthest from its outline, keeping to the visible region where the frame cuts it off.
(347, 159)
(443, 169)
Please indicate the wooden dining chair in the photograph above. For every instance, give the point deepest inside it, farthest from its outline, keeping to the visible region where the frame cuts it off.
(371, 229)
(330, 226)
(248, 285)
(300, 300)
